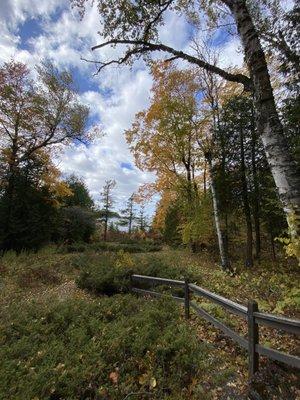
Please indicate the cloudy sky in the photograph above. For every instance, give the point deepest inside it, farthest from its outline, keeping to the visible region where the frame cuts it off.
(35, 29)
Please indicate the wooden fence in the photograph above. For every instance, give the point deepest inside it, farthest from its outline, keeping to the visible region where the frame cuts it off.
(251, 314)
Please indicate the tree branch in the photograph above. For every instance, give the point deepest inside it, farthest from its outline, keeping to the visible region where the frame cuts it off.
(144, 47)
(148, 28)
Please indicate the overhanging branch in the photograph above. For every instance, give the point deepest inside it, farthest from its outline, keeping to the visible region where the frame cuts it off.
(145, 46)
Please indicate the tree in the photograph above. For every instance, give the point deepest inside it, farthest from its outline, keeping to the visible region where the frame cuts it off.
(136, 26)
(128, 214)
(34, 215)
(80, 195)
(35, 115)
(163, 137)
(107, 200)
(174, 138)
(76, 224)
(249, 186)
(142, 221)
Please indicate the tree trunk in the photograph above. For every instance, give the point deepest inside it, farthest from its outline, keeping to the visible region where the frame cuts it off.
(105, 227)
(284, 169)
(10, 191)
(272, 246)
(130, 219)
(129, 225)
(224, 259)
(247, 211)
(256, 199)
(204, 177)
(225, 193)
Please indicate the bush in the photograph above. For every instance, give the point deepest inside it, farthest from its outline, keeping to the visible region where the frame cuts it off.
(33, 276)
(99, 350)
(104, 275)
(30, 269)
(111, 273)
(143, 247)
(73, 248)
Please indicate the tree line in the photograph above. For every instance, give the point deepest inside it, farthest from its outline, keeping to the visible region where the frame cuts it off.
(40, 113)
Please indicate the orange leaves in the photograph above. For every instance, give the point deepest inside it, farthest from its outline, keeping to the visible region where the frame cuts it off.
(163, 136)
(114, 376)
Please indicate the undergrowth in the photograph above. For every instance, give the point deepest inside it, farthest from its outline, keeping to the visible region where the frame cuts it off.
(100, 349)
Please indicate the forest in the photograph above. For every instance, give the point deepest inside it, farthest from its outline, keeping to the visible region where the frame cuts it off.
(218, 152)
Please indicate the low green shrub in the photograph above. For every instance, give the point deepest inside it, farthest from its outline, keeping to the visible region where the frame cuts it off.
(110, 273)
(30, 269)
(99, 349)
(142, 247)
(106, 274)
(73, 248)
(34, 275)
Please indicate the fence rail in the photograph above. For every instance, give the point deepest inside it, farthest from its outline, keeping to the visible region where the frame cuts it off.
(250, 313)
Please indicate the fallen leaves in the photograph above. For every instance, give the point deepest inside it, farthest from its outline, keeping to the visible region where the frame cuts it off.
(114, 376)
(145, 380)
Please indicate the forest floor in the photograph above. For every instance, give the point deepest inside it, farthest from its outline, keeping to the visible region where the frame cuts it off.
(32, 284)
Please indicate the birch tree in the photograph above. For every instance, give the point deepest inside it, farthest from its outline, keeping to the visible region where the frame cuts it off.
(135, 27)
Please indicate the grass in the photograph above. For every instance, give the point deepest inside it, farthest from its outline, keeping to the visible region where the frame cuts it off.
(58, 341)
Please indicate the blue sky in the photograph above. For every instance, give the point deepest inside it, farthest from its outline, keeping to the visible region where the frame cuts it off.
(34, 29)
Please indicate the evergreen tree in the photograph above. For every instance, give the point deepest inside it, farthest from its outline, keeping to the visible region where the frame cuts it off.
(107, 200)
(128, 214)
(80, 195)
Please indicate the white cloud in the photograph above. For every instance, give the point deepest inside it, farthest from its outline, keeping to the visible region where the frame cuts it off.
(14, 12)
(103, 159)
(231, 54)
(64, 39)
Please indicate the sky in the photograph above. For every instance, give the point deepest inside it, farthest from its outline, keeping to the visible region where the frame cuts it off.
(32, 30)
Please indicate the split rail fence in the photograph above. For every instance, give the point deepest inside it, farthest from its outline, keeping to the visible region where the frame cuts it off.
(250, 313)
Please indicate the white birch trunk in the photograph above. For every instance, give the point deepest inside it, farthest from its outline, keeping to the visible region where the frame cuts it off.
(284, 169)
(216, 210)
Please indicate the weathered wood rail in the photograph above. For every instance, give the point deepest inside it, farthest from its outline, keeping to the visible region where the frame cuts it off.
(250, 313)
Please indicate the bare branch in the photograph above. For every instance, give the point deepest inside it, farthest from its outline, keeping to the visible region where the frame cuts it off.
(144, 47)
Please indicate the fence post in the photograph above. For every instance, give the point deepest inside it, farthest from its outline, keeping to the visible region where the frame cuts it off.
(186, 299)
(253, 338)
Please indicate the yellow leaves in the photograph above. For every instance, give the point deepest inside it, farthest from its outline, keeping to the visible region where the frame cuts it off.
(102, 391)
(59, 367)
(152, 383)
(162, 136)
(124, 260)
(149, 381)
(143, 379)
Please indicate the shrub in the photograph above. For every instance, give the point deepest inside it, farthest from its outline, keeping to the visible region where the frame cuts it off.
(105, 274)
(29, 269)
(142, 247)
(145, 247)
(105, 349)
(110, 273)
(32, 276)
(73, 248)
